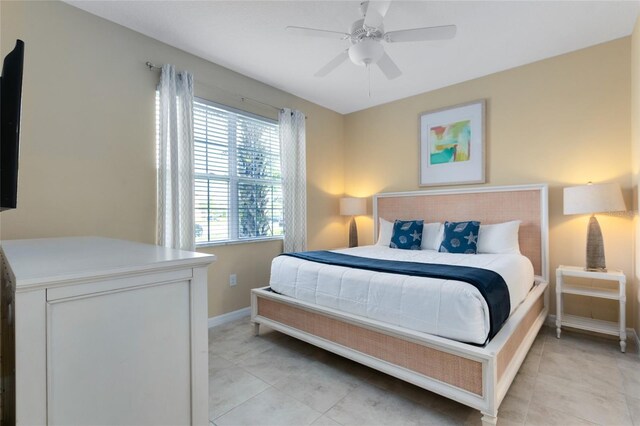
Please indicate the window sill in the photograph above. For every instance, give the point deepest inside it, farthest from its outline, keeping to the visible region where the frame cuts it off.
(234, 242)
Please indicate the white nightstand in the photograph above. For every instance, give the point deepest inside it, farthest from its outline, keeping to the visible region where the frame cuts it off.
(608, 327)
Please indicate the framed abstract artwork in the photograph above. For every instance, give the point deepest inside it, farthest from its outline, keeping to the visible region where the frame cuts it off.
(452, 145)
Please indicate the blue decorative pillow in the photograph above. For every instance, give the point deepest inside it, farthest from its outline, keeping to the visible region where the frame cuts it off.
(460, 237)
(407, 234)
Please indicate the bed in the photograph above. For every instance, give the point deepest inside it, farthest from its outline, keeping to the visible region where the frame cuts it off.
(474, 374)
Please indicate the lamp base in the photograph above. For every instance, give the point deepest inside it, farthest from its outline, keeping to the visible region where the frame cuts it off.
(595, 247)
(353, 233)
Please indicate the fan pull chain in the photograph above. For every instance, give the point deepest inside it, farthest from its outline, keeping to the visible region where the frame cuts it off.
(369, 72)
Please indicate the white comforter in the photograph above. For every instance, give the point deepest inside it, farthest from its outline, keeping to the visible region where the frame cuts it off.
(446, 308)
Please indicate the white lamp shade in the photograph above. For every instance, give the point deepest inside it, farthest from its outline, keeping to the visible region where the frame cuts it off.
(351, 206)
(593, 198)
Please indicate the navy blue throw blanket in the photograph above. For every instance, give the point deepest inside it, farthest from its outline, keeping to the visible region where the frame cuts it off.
(489, 283)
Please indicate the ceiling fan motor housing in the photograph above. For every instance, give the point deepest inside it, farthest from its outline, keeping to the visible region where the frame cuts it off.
(358, 31)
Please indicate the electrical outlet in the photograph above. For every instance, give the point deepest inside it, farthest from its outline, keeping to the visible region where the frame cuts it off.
(233, 280)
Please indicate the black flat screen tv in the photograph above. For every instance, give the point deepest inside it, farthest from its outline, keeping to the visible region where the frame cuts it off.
(10, 103)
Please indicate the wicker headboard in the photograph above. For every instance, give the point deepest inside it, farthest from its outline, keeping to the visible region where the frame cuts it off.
(528, 203)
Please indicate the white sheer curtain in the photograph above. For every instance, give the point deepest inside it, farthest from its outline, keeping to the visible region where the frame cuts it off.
(175, 214)
(294, 179)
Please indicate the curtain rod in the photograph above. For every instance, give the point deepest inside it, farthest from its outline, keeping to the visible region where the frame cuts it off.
(153, 66)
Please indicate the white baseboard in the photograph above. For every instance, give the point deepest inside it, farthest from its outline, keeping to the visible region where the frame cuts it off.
(551, 321)
(229, 317)
(631, 332)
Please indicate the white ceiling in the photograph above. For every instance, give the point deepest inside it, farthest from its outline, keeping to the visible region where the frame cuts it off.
(249, 37)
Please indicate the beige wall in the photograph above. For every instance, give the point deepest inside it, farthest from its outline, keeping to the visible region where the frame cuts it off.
(635, 163)
(88, 134)
(564, 121)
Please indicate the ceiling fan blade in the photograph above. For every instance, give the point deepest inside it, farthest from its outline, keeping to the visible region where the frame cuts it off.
(421, 34)
(333, 64)
(376, 9)
(313, 32)
(388, 67)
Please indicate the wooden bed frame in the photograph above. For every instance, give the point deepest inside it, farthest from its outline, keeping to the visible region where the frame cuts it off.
(475, 376)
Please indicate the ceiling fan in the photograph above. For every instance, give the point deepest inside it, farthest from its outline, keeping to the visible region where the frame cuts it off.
(366, 36)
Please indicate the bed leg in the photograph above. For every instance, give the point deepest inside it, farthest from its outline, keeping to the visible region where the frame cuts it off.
(489, 420)
(256, 328)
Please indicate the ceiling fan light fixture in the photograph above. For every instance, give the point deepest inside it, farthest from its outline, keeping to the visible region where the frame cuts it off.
(367, 35)
(366, 52)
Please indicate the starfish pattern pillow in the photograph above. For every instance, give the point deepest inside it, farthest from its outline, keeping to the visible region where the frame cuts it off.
(407, 234)
(460, 237)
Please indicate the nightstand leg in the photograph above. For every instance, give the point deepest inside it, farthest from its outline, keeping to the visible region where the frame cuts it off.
(623, 325)
(558, 303)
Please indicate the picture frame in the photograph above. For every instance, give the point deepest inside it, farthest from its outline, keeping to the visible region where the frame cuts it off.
(452, 145)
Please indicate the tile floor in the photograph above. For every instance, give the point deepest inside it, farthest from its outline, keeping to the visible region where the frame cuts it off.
(274, 379)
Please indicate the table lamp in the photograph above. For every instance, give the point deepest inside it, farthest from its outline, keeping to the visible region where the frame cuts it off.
(351, 206)
(591, 199)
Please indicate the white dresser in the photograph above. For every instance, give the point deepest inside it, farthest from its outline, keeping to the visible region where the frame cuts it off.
(103, 331)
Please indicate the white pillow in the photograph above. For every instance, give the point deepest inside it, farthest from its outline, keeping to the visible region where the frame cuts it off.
(385, 230)
(432, 236)
(499, 238)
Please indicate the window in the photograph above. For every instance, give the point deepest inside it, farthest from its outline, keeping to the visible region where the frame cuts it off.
(238, 186)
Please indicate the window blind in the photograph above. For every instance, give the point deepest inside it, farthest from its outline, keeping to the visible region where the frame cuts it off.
(238, 185)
